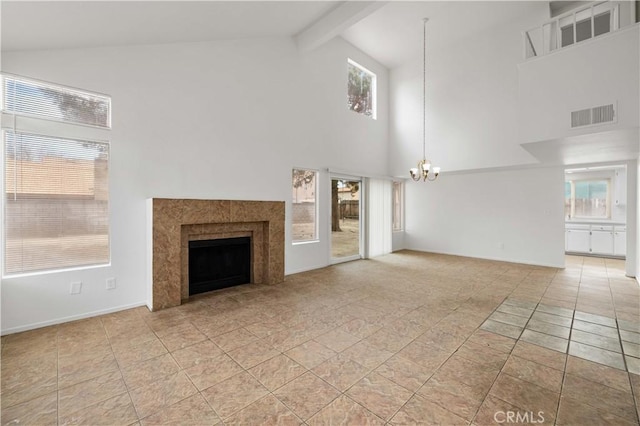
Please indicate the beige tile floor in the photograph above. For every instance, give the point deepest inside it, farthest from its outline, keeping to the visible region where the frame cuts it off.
(400, 339)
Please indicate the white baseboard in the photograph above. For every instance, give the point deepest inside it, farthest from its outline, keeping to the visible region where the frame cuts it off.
(70, 318)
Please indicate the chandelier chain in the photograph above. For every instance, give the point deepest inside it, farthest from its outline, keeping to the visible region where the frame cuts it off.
(424, 89)
(424, 171)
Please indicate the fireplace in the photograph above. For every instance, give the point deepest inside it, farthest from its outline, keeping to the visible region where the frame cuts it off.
(220, 263)
(172, 224)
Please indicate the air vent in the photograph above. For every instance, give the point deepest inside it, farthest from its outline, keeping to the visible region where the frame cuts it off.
(602, 114)
(580, 118)
(591, 116)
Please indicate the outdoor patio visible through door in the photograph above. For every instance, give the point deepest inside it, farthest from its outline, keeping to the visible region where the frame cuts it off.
(346, 221)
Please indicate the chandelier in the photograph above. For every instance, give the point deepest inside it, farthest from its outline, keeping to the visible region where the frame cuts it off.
(424, 171)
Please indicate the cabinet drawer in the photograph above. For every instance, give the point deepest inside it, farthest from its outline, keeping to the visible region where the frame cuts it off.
(601, 228)
(573, 227)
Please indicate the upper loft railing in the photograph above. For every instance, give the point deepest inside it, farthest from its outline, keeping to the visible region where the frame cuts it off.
(572, 27)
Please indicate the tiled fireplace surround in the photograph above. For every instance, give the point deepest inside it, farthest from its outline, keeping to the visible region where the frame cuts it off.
(175, 222)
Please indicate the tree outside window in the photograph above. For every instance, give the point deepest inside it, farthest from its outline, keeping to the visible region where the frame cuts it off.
(304, 199)
(361, 93)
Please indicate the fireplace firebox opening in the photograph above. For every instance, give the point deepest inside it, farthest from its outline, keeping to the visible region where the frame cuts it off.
(219, 263)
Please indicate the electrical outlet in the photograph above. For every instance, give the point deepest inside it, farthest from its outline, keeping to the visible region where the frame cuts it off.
(76, 287)
(111, 283)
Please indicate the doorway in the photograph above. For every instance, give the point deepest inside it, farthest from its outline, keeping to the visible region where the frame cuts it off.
(596, 211)
(346, 219)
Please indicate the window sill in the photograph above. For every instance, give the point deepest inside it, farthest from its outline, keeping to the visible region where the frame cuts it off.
(302, 243)
(55, 271)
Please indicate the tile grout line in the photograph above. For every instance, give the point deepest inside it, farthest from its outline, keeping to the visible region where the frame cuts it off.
(566, 360)
(477, 411)
(624, 358)
(135, 409)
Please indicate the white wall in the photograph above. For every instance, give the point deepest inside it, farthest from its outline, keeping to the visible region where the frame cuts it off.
(217, 120)
(472, 102)
(475, 103)
(510, 215)
(595, 72)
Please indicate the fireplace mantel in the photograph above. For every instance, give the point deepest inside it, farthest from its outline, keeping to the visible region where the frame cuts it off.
(172, 223)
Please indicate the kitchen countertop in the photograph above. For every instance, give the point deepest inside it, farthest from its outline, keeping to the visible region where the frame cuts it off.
(594, 222)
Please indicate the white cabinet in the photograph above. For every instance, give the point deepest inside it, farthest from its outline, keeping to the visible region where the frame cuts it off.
(620, 241)
(602, 240)
(578, 240)
(606, 240)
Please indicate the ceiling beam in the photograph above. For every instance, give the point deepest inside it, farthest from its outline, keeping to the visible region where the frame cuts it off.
(334, 22)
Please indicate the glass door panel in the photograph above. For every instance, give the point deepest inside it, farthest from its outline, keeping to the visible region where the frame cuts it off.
(345, 219)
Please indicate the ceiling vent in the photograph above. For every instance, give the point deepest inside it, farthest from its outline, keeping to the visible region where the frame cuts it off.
(591, 116)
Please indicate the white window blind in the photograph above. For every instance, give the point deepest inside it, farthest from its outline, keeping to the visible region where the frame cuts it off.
(380, 212)
(397, 201)
(53, 102)
(56, 205)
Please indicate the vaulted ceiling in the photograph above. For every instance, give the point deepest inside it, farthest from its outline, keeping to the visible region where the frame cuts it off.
(391, 32)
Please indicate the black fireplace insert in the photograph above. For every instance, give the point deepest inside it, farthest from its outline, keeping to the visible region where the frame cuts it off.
(220, 263)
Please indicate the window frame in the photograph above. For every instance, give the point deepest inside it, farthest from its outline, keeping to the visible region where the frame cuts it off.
(47, 127)
(316, 227)
(374, 89)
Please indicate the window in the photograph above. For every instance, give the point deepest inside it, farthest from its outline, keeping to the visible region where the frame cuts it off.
(361, 92)
(305, 205)
(44, 100)
(56, 204)
(397, 194)
(588, 199)
(568, 200)
(574, 25)
(589, 22)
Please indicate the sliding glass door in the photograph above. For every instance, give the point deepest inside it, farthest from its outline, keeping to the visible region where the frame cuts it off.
(346, 219)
